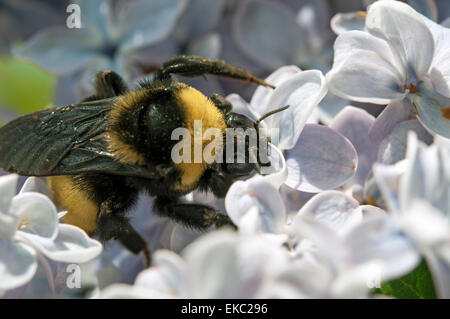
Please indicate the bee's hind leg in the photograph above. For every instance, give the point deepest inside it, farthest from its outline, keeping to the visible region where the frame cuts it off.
(113, 197)
(107, 84)
(115, 226)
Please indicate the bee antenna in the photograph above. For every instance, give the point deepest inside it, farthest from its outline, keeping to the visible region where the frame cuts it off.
(255, 159)
(262, 118)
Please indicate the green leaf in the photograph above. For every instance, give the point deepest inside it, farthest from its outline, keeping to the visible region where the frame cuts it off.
(24, 87)
(418, 284)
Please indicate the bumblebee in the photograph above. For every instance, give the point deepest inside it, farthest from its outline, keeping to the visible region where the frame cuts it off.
(100, 153)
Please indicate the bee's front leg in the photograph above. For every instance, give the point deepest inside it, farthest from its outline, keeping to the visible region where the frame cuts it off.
(196, 216)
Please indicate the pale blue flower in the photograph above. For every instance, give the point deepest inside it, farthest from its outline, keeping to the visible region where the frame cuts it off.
(343, 243)
(111, 34)
(417, 193)
(402, 56)
(348, 21)
(29, 231)
(317, 157)
(221, 264)
(21, 18)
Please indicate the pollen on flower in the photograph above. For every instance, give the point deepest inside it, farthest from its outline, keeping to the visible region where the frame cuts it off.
(361, 14)
(23, 223)
(371, 201)
(445, 112)
(411, 87)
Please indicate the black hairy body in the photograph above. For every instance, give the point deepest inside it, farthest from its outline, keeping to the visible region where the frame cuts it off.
(101, 153)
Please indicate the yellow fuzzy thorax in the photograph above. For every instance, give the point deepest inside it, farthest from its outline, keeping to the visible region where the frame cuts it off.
(196, 107)
(122, 151)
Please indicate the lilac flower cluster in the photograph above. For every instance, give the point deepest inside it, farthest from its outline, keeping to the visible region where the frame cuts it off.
(359, 192)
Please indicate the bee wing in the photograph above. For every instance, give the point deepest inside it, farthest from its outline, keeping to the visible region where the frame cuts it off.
(66, 140)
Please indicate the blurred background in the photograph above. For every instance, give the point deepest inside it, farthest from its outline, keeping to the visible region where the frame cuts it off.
(45, 62)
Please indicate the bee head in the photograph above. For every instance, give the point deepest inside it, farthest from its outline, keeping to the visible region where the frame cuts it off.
(249, 145)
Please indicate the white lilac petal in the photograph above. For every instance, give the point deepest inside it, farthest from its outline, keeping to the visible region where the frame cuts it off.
(47, 50)
(371, 192)
(392, 114)
(145, 22)
(370, 211)
(322, 159)
(259, 104)
(124, 291)
(36, 214)
(446, 23)
(251, 222)
(378, 238)
(72, 245)
(363, 70)
(277, 173)
(260, 259)
(36, 185)
(406, 33)
(440, 270)
(344, 22)
(167, 274)
(328, 108)
(212, 265)
(299, 282)
(433, 109)
(356, 41)
(426, 176)
(393, 147)
(425, 225)
(440, 68)
(388, 181)
(8, 185)
(322, 241)
(17, 264)
(8, 225)
(153, 280)
(440, 82)
(334, 208)
(263, 196)
(357, 281)
(302, 92)
(251, 31)
(354, 123)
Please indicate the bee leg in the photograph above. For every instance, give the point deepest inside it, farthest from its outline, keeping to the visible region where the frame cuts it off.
(189, 65)
(114, 226)
(221, 103)
(107, 84)
(215, 182)
(197, 216)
